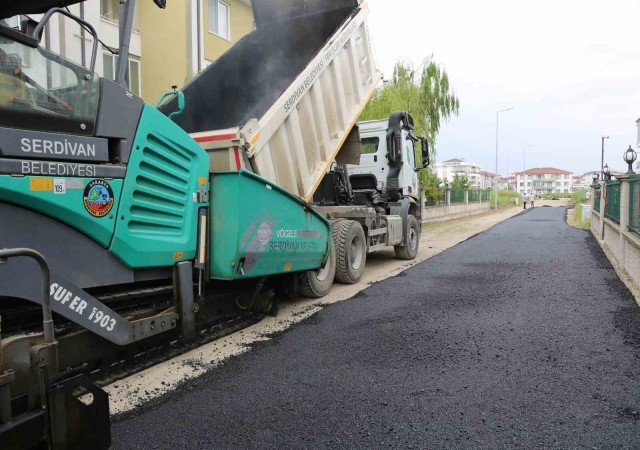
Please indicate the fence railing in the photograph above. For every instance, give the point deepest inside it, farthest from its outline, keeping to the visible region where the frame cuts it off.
(457, 195)
(634, 204)
(613, 201)
(597, 193)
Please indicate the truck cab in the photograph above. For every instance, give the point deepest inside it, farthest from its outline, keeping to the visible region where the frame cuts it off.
(371, 193)
(374, 168)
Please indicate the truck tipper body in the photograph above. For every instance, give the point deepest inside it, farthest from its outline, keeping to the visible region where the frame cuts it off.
(283, 100)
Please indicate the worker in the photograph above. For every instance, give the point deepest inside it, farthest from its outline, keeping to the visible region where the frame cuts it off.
(11, 86)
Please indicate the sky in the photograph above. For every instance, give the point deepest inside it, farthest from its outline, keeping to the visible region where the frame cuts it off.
(570, 69)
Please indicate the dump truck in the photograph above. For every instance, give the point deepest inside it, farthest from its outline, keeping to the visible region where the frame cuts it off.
(125, 228)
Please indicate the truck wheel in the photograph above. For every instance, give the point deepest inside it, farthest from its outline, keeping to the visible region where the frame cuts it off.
(351, 250)
(317, 283)
(410, 248)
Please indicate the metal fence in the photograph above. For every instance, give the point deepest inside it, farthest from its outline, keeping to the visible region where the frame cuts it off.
(596, 197)
(613, 201)
(634, 203)
(457, 195)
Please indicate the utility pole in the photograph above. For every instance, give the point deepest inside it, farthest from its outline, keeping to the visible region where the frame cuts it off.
(495, 200)
(602, 160)
(524, 165)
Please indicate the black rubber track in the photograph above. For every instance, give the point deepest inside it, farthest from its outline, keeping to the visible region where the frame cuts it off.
(520, 337)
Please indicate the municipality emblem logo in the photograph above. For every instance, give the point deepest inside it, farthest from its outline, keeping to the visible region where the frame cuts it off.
(264, 233)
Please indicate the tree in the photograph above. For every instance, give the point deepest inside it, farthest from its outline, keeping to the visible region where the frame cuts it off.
(428, 96)
(430, 184)
(460, 181)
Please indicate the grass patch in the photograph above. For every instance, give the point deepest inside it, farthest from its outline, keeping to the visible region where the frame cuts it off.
(506, 199)
(579, 197)
(577, 218)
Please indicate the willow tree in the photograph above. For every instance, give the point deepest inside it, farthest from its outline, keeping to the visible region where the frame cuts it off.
(425, 93)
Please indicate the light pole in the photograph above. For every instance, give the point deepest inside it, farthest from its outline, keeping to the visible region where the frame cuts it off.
(602, 160)
(524, 165)
(495, 200)
(630, 157)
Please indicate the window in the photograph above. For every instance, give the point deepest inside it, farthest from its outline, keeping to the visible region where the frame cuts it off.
(558, 184)
(566, 183)
(109, 65)
(110, 10)
(50, 94)
(370, 145)
(219, 19)
(566, 175)
(521, 184)
(411, 155)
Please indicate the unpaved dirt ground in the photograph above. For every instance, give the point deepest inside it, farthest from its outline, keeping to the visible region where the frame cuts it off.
(151, 384)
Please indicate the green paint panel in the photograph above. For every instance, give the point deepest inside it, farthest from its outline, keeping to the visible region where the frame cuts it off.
(37, 194)
(258, 229)
(158, 217)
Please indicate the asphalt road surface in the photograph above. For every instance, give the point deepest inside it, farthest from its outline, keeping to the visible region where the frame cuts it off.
(522, 336)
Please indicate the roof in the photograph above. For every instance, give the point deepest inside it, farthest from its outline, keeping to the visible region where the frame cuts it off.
(544, 171)
(454, 160)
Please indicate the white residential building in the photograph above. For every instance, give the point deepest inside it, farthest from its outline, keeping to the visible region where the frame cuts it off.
(448, 169)
(544, 180)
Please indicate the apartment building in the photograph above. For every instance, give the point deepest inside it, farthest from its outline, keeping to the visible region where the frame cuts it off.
(448, 169)
(168, 46)
(544, 180)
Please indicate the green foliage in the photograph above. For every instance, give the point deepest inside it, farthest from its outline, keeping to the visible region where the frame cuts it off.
(506, 198)
(460, 181)
(557, 195)
(577, 216)
(579, 197)
(425, 93)
(430, 185)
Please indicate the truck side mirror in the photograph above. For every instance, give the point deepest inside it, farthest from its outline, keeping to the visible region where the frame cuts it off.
(425, 152)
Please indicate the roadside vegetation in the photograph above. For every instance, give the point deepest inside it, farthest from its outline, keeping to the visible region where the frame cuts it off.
(506, 199)
(578, 199)
(424, 92)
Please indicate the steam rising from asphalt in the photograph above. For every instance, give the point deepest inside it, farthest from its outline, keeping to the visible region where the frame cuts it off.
(247, 80)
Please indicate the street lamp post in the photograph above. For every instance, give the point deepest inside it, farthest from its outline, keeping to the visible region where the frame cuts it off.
(495, 200)
(630, 157)
(524, 165)
(602, 160)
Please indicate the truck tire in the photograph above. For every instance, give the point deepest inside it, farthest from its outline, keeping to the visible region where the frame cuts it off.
(351, 250)
(317, 283)
(410, 248)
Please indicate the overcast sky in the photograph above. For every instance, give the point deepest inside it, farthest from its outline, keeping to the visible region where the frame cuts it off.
(569, 68)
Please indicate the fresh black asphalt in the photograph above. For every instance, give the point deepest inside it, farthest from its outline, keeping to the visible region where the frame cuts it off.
(522, 336)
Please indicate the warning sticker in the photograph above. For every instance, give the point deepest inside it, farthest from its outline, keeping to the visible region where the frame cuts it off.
(40, 184)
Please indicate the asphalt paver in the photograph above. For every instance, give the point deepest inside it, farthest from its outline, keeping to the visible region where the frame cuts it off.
(522, 336)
